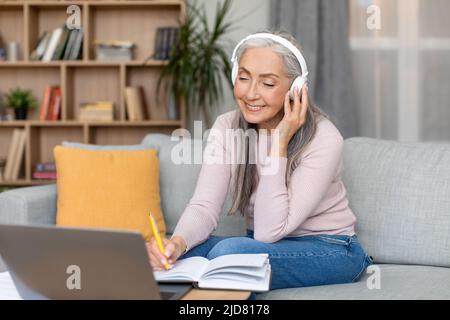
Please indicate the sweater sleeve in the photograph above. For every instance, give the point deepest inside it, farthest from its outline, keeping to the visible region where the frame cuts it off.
(279, 210)
(201, 216)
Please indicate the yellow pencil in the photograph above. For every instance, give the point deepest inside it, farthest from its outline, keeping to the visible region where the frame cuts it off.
(158, 238)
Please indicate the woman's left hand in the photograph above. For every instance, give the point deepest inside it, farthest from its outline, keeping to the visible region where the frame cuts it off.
(294, 117)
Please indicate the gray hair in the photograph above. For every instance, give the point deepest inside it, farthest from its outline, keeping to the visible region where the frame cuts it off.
(246, 174)
(291, 65)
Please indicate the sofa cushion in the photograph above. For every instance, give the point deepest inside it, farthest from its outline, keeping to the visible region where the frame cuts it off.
(400, 193)
(395, 282)
(178, 181)
(108, 189)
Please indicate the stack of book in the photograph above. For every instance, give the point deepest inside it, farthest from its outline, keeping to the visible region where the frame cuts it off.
(15, 155)
(97, 111)
(44, 171)
(136, 104)
(165, 40)
(51, 104)
(113, 50)
(59, 44)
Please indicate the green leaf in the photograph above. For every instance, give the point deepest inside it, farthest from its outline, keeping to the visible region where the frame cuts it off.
(20, 98)
(199, 60)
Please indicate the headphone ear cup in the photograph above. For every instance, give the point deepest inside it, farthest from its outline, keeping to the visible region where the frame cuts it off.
(234, 72)
(298, 82)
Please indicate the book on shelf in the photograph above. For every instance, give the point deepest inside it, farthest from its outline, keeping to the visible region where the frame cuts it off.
(51, 104)
(76, 51)
(2, 168)
(44, 176)
(55, 104)
(45, 166)
(52, 44)
(19, 157)
(45, 102)
(174, 34)
(11, 154)
(136, 104)
(44, 171)
(70, 43)
(15, 155)
(39, 51)
(165, 40)
(231, 272)
(145, 111)
(62, 43)
(97, 111)
(158, 44)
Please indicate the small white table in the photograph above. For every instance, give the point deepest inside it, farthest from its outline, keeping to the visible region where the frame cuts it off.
(8, 290)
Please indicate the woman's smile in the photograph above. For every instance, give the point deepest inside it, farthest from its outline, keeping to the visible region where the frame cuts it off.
(254, 108)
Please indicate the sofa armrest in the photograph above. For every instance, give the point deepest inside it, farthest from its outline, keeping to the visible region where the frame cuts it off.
(31, 205)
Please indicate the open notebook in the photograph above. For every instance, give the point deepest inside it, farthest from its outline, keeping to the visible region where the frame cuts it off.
(233, 272)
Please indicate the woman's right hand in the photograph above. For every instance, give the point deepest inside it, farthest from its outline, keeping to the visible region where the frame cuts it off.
(174, 249)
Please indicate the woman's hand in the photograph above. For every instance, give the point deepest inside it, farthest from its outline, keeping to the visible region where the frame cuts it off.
(294, 116)
(174, 249)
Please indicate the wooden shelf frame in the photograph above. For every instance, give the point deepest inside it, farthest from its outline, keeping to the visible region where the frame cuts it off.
(85, 80)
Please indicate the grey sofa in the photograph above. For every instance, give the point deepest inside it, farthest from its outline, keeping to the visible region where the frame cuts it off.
(399, 192)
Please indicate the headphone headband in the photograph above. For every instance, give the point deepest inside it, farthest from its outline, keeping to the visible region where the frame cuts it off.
(279, 40)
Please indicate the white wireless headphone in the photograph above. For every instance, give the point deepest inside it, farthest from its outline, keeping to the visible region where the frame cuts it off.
(298, 82)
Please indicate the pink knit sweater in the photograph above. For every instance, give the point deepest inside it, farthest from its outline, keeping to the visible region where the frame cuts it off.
(315, 201)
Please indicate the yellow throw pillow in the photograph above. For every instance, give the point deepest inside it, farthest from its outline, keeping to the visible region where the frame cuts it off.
(108, 189)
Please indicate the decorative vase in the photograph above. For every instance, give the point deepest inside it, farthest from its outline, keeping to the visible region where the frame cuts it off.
(21, 113)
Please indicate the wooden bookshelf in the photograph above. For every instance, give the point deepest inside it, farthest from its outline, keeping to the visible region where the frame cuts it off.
(85, 80)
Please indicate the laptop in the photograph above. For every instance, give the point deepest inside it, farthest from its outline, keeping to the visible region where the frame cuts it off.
(49, 262)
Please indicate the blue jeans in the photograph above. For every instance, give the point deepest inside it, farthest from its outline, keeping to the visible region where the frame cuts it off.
(296, 261)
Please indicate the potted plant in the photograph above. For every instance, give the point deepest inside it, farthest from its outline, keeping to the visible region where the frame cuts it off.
(20, 100)
(198, 60)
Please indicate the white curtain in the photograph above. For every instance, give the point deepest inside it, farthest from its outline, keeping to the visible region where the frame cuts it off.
(401, 68)
(321, 27)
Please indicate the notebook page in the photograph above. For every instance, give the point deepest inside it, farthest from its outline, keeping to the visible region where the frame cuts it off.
(184, 270)
(238, 260)
(239, 283)
(249, 271)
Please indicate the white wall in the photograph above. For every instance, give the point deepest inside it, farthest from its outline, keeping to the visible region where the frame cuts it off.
(254, 15)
